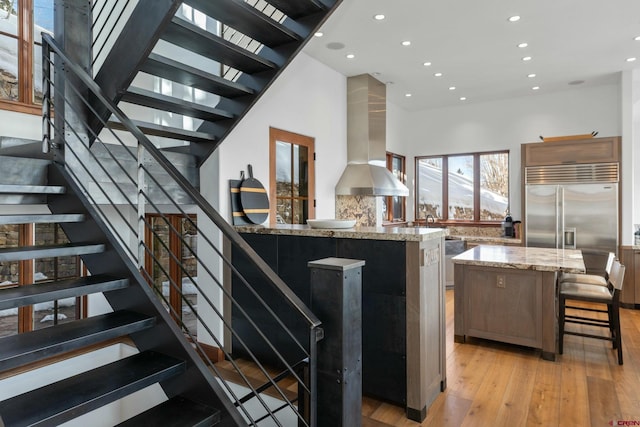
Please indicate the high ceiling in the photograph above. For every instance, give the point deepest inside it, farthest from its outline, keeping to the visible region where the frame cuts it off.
(572, 44)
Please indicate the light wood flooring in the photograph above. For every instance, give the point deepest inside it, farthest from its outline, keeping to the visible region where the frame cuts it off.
(492, 384)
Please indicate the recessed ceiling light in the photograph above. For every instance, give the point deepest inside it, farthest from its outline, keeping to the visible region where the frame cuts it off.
(406, 43)
(350, 56)
(522, 45)
(319, 34)
(514, 18)
(408, 95)
(378, 17)
(637, 39)
(427, 64)
(375, 73)
(527, 58)
(452, 88)
(532, 75)
(438, 74)
(463, 98)
(631, 59)
(535, 88)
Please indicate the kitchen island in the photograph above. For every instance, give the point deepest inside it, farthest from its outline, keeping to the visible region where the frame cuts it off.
(508, 294)
(403, 302)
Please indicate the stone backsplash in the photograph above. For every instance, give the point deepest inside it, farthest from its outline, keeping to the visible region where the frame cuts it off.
(364, 209)
(475, 231)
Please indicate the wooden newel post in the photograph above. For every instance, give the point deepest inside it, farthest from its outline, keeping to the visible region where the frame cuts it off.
(336, 298)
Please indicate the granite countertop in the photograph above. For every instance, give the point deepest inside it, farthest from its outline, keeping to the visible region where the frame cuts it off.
(371, 233)
(523, 258)
(488, 239)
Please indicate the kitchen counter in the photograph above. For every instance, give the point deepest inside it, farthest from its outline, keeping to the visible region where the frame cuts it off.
(508, 294)
(413, 234)
(523, 258)
(403, 300)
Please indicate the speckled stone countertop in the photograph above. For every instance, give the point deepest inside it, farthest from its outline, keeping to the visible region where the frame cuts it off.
(489, 239)
(523, 258)
(371, 233)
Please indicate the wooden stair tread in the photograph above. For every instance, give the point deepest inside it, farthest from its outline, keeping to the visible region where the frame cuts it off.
(48, 251)
(159, 101)
(176, 412)
(40, 218)
(19, 296)
(246, 19)
(22, 349)
(67, 399)
(191, 37)
(31, 189)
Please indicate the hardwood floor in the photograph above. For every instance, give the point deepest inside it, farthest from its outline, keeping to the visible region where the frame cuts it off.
(492, 384)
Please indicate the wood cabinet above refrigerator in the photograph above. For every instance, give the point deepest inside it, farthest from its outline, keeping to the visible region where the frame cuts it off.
(593, 150)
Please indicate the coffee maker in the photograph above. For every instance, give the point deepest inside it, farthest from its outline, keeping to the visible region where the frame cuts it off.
(507, 226)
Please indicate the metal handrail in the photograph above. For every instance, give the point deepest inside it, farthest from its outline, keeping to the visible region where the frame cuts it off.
(186, 186)
(49, 45)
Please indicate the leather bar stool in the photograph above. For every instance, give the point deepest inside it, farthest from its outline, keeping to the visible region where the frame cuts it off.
(591, 279)
(608, 296)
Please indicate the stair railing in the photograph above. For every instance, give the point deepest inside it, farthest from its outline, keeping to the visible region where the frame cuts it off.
(109, 16)
(118, 191)
(244, 41)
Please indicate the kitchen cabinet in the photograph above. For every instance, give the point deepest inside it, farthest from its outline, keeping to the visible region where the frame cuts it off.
(403, 302)
(594, 150)
(630, 258)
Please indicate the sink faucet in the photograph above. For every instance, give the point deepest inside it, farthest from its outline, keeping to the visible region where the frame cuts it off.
(427, 219)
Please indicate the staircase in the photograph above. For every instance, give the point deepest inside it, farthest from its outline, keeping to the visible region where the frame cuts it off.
(259, 38)
(100, 171)
(163, 357)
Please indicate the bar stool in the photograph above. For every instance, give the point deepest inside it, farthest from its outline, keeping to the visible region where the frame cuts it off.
(591, 279)
(609, 296)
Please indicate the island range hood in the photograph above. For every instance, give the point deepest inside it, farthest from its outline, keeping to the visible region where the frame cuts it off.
(366, 173)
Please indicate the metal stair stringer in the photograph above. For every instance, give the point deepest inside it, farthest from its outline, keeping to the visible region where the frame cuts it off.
(197, 382)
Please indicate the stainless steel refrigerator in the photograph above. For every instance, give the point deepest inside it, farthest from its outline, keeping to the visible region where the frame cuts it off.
(572, 206)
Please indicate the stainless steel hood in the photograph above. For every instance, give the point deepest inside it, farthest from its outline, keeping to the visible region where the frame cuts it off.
(366, 173)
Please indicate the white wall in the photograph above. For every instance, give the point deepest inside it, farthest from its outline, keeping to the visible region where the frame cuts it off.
(505, 124)
(308, 98)
(19, 125)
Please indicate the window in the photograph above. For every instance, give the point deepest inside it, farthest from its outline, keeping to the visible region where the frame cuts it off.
(292, 184)
(476, 188)
(395, 206)
(171, 266)
(21, 25)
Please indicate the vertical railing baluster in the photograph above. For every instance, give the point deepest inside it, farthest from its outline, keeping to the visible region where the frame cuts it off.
(46, 98)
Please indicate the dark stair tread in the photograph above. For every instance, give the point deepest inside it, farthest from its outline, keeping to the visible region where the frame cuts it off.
(176, 412)
(31, 189)
(40, 218)
(176, 71)
(69, 398)
(32, 294)
(167, 132)
(159, 101)
(48, 251)
(21, 349)
(246, 19)
(298, 8)
(191, 37)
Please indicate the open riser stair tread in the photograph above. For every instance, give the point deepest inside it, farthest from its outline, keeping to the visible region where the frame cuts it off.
(176, 71)
(31, 189)
(49, 251)
(20, 296)
(22, 349)
(191, 414)
(167, 132)
(191, 37)
(298, 8)
(159, 101)
(40, 219)
(77, 395)
(248, 20)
